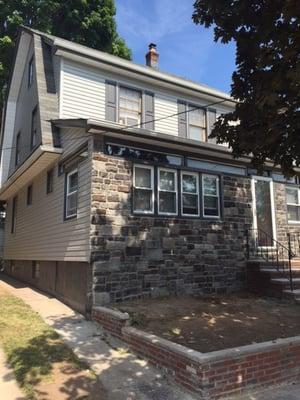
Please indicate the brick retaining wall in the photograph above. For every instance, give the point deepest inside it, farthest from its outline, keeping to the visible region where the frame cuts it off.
(212, 375)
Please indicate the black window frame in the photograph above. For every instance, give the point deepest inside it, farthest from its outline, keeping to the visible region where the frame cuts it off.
(50, 181)
(34, 117)
(14, 210)
(18, 150)
(30, 72)
(29, 196)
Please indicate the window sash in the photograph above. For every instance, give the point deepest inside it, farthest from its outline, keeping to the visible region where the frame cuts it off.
(144, 188)
(200, 124)
(196, 194)
(131, 107)
(174, 191)
(30, 72)
(215, 196)
(71, 194)
(295, 206)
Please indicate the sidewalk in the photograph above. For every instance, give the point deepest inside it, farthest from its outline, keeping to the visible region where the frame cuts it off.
(123, 375)
(9, 390)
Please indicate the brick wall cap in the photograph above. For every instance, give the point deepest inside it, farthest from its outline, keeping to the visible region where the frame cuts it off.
(113, 313)
(225, 354)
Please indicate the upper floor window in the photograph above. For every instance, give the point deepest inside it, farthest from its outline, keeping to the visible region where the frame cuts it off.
(293, 204)
(197, 124)
(29, 195)
(71, 194)
(18, 150)
(130, 106)
(143, 189)
(34, 137)
(14, 215)
(50, 177)
(30, 72)
(211, 196)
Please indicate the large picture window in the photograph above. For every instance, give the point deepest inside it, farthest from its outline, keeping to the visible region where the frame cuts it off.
(167, 191)
(190, 193)
(71, 194)
(293, 204)
(211, 196)
(130, 106)
(143, 189)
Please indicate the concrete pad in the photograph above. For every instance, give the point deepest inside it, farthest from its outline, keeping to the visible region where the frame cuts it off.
(9, 390)
(290, 392)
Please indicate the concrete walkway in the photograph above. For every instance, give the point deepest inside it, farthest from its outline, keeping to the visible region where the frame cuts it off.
(9, 390)
(123, 375)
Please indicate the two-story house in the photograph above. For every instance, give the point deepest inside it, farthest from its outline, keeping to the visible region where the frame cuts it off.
(114, 189)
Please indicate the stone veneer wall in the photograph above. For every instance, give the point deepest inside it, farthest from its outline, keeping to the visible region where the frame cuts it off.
(136, 256)
(282, 225)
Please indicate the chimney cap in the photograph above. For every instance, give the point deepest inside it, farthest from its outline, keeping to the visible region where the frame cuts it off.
(152, 46)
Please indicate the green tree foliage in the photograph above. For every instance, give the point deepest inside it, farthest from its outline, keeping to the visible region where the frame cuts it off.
(267, 78)
(88, 22)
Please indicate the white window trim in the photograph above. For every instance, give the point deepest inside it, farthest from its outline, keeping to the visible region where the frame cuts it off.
(168, 191)
(217, 196)
(196, 174)
(68, 194)
(291, 221)
(151, 168)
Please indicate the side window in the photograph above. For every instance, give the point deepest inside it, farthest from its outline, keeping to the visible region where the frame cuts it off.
(14, 214)
(29, 195)
(130, 106)
(143, 189)
(18, 152)
(167, 192)
(211, 196)
(71, 194)
(34, 137)
(30, 72)
(190, 194)
(293, 204)
(197, 124)
(50, 177)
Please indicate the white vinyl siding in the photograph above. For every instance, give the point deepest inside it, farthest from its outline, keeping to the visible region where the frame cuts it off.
(83, 92)
(164, 106)
(41, 232)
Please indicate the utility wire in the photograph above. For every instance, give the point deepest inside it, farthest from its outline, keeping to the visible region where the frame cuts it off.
(139, 125)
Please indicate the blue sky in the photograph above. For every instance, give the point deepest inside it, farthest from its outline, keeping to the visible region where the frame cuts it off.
(185, 49)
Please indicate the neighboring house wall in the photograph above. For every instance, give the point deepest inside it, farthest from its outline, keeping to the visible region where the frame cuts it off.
(137, 256)
(41, 232)
(27, 101)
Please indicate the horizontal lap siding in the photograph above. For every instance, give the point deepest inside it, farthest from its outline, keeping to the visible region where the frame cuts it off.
(41, 232)
(83, 92)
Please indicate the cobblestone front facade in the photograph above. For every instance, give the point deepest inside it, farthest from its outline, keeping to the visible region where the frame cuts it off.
(135, 256)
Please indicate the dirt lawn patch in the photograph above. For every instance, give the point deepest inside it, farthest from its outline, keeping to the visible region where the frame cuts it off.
(217, 323)
(44, 366)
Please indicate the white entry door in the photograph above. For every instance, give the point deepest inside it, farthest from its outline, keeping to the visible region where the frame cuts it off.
(263, 210)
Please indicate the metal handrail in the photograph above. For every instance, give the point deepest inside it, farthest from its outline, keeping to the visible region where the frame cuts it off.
(279, 253)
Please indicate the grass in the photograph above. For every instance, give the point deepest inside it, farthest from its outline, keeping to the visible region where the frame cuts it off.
(31, 346)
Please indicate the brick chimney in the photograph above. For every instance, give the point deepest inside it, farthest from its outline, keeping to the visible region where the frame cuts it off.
(152, 56)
